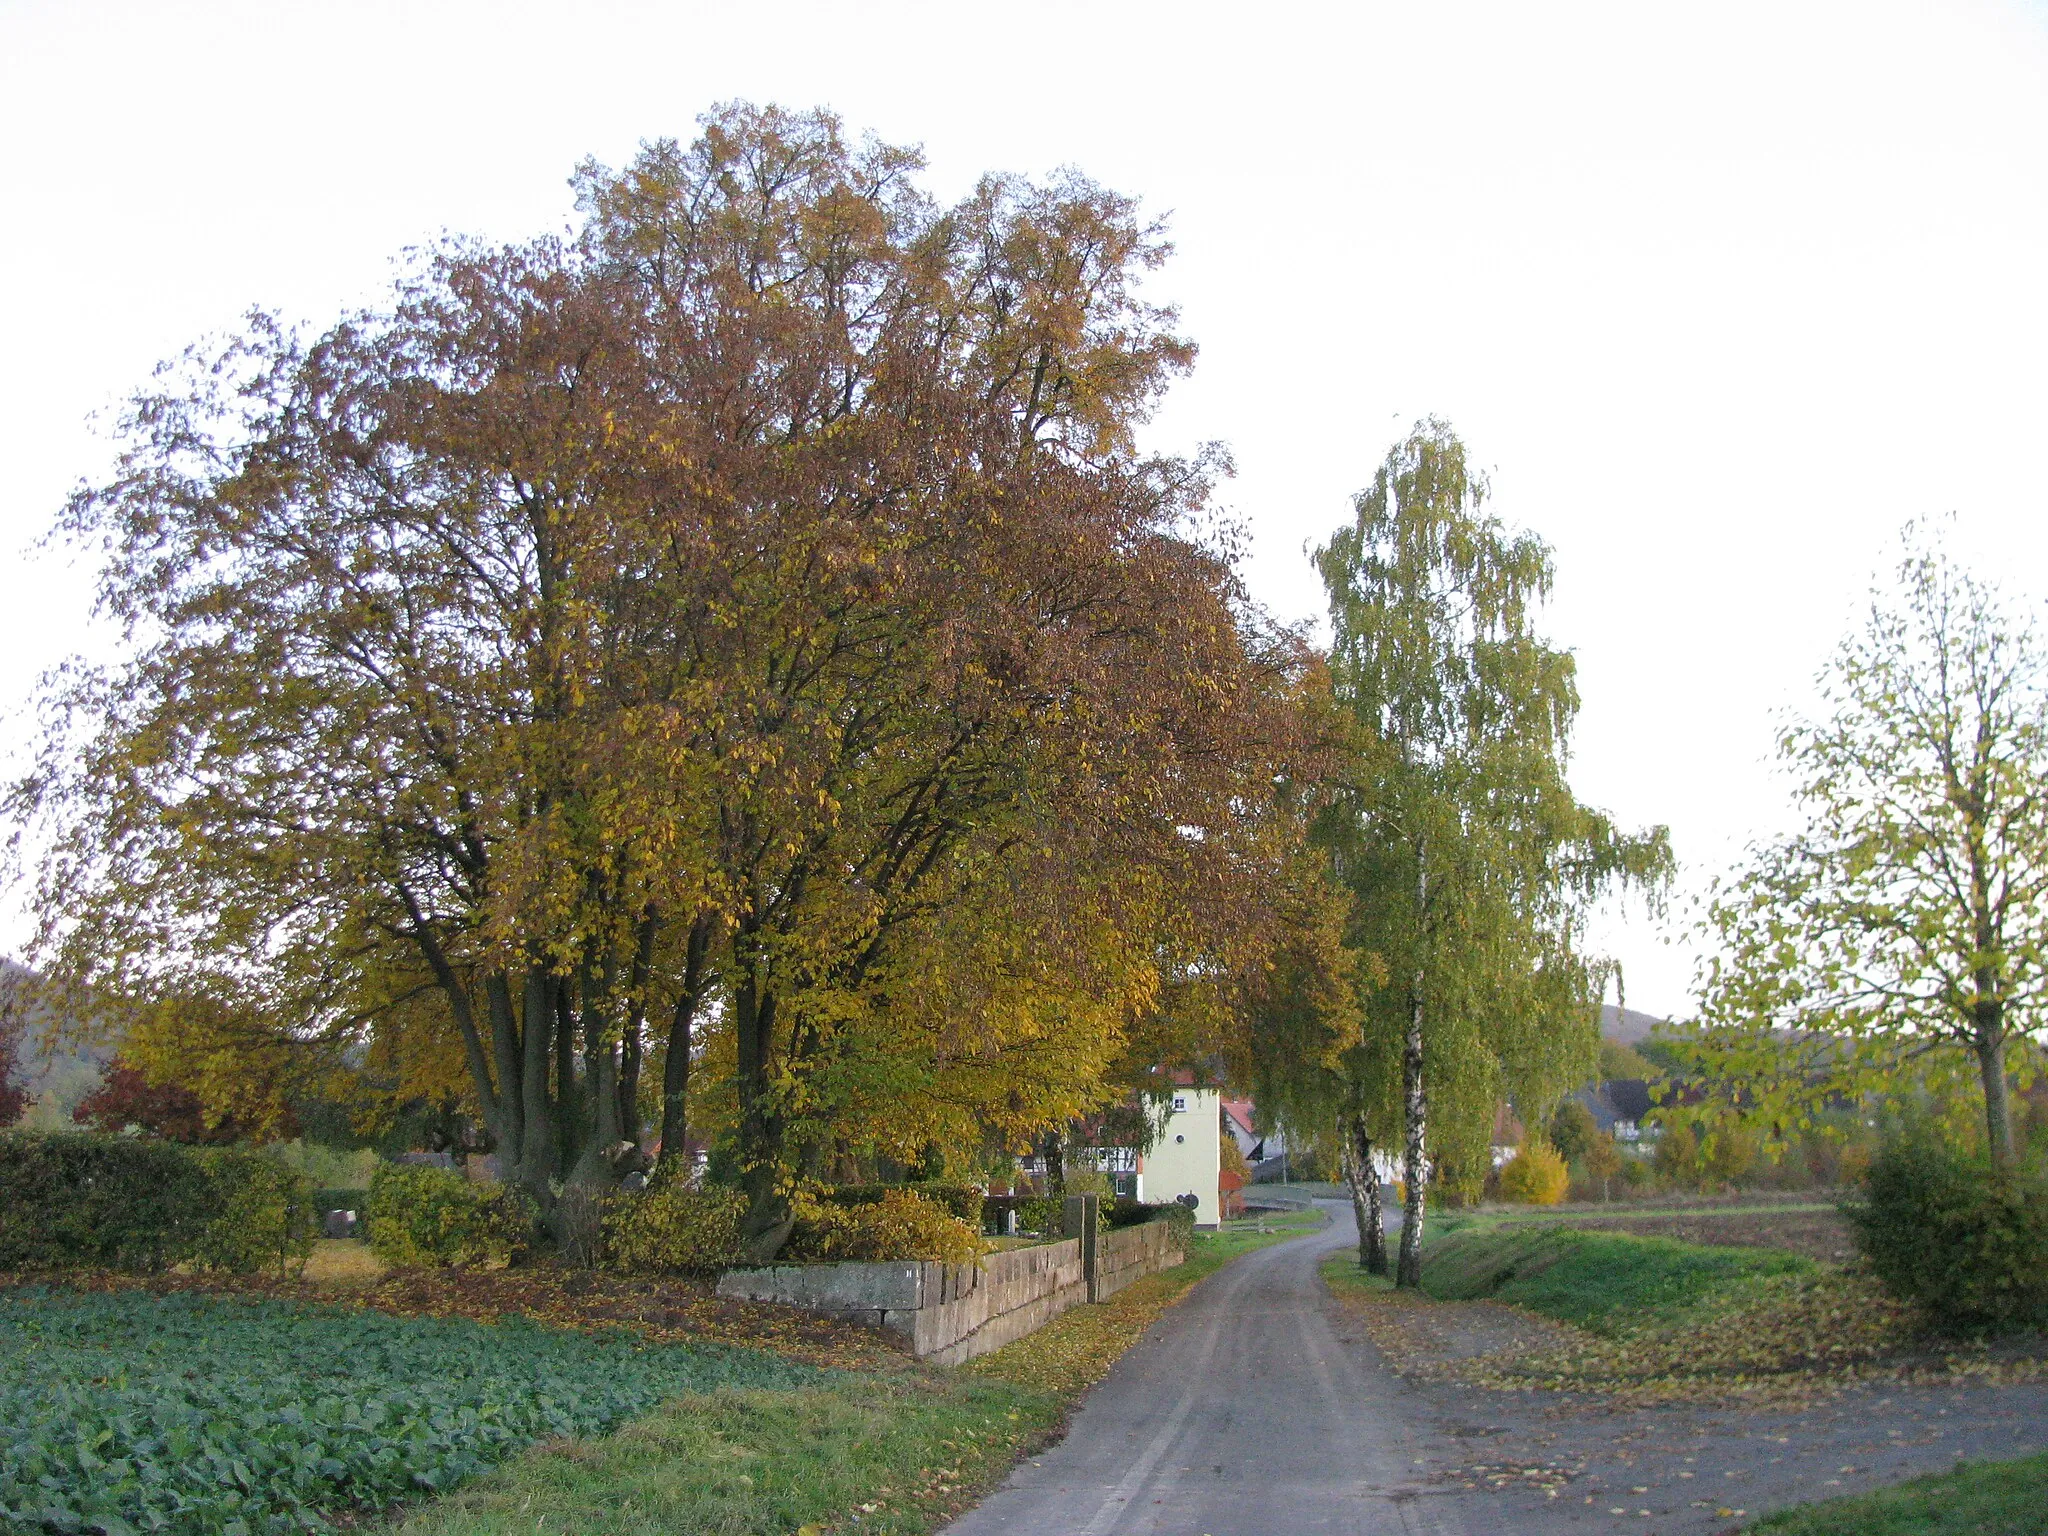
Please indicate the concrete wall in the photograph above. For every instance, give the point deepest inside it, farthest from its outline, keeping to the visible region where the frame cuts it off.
(1187, 1159)
(949, 1313)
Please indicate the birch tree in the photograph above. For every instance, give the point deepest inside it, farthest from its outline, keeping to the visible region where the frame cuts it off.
(1903, 929)
(1472, 865)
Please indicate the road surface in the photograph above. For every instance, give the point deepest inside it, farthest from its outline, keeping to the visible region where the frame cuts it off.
(1259, 1407)
(1241, 1413)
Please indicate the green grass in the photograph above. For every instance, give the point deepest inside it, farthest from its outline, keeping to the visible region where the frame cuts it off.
(1991, 1498)
(1497, 1216)
(195, 1415)
(1602, 1281)
(901, 1452)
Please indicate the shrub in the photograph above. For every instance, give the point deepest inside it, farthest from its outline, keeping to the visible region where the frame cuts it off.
(1966, 1242)
(262, 1213)
(1534, 1176)
(70, 1200)
(1233, 1157)
(1730, 1154)
(435, 1217)
(1573, 1130)
(673, 1229)
(900, 1225)
(1043, 1214)
(1677, 1158)
(962, 1200)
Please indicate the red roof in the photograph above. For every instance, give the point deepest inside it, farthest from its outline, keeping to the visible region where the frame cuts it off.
(1240, 1111)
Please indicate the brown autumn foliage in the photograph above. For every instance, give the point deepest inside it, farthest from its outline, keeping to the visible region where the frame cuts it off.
(745, 632)
(126, 1097)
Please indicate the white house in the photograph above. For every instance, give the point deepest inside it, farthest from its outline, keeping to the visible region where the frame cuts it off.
(1187, 1158)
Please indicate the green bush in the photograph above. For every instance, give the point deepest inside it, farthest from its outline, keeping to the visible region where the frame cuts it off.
(262, 1213)
(1042, 1215)
(435, 1217)
(75, 1200)
(1966, 1242)
(673, 1229)
(962, 1200)
(1573, 1130)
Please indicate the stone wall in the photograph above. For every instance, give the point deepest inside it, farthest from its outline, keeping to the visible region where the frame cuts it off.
(1131, 1253)
(946, 1313)
(949, 1313)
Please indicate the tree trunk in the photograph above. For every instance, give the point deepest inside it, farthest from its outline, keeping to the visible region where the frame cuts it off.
(1415, 1098)
(631, 1047)
(675, 1072)
(1997, 1098)
(508, 1054)
(568, 1106)
(537, 1035)
(1415, 1106)
(769, 1218)
(1364, 1179)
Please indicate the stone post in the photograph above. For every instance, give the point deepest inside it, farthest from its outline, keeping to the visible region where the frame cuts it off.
(1079, 1218)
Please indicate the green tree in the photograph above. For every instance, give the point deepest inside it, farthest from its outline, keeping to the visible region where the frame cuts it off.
(1472, 865)
(1572, 1130)
(1900, 933)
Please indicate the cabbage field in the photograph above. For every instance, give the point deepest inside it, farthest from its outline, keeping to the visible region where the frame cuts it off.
(130, 1412)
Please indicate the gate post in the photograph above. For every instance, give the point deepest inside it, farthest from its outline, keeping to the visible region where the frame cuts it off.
(1079, 1218)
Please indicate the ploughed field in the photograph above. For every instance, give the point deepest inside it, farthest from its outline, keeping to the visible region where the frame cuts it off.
(186, 1413)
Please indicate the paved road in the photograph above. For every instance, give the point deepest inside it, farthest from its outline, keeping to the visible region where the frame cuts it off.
(1245, 1415)
(1258, 1407)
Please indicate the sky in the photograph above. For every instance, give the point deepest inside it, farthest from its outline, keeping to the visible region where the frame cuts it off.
(1721, 296)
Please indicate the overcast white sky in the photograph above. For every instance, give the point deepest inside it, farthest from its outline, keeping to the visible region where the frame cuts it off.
(1722, 294)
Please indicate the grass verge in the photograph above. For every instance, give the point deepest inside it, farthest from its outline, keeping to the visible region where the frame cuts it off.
(898, 1453)
(1640, 1318)
(1991, 1498)
(901, 1454)
(1608, 1282)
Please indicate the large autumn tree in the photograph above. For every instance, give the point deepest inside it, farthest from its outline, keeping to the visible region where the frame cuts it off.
(1472, 864)
(744, 631)
(1902, 928)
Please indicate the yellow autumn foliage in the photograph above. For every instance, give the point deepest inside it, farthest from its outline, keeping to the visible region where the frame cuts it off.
(1535, 1176)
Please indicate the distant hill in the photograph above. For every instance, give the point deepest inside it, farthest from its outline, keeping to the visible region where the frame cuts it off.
(1625, 1024)
(63, 1075)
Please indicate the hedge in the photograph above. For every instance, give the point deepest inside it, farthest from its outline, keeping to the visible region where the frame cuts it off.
(76, 1200)
(904, 1223)
(961, 1200)
(673, 1229)
(418, 1214)
(264, 1214)
(1966, 1242)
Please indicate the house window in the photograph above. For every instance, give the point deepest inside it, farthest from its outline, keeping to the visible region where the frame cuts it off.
(1180, 1103)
